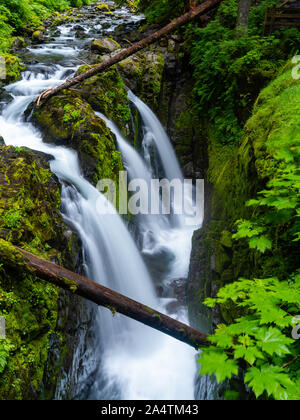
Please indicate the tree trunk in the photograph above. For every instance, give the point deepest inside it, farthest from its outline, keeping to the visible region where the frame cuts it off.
(243, 15)
(113, 301)
(122, 55)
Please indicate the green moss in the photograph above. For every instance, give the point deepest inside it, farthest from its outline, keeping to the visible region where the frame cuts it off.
(144, 72)
(106, 93)
(237, 173)
(29, 217)
(150, 310)
(226, 239)
(104, 8)
(71, 284)
(105, 45)
(29, 203)
(13, 70)
(112, 310)
(29, 307)
(68, 119)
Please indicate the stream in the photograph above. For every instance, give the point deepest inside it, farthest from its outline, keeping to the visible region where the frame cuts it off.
(130, 361)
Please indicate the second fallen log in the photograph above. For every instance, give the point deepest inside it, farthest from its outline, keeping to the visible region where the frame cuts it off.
(114, 301)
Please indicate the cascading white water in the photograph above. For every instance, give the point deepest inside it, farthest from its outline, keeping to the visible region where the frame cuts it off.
(157, 233)
(139, 362)
(154, 132)
(136, 361)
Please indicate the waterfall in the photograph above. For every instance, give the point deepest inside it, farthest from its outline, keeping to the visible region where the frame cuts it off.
(155, 133)
(133, 360)
(136, 361)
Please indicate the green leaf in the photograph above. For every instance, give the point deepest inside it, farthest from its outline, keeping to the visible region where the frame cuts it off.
(269, 379)
(222, 337)
(244, 325)
(250, 354)
(211, 303)
(251, 203)
(216, 362)
(273, 341)
(261, 243)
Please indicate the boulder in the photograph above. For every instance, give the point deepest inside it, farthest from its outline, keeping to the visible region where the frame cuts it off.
(143, 74)
(38, 36)
(67, 119)
(105, 45)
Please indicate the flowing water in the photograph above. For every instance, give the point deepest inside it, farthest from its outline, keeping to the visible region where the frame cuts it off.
(130, 361)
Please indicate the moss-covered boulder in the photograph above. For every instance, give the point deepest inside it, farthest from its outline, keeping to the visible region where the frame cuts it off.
(30, 203)
(143, 74)
(104, 8)
(12, 71)
(29, 307)
(105, 45)
(106, 93)
(29, 218)
(38, 36)
(67, 119)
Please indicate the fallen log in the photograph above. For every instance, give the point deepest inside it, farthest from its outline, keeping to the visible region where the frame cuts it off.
(113, 301)
(122, 55)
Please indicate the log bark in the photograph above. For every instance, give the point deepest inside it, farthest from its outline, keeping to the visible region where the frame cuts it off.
(113, 301)
(122, 55)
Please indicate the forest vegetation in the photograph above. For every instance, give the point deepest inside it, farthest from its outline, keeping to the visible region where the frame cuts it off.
(246, 98)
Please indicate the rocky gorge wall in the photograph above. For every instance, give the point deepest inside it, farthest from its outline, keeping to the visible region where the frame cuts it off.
(235, 174)
(38, 315)
(30, 218)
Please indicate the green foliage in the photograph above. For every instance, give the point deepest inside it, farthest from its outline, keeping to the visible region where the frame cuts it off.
(214, 361)
(24, 16)
(5, 349)
(260, 336)
(12, 217)
(163, 10)
(278, 209)
(230, 70)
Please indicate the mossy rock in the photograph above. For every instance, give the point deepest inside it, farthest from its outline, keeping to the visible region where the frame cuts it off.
(104, 8)
(13, 69)
(30, 203)
(67, 119)
(29, 218)
(38, 36)
(143, 74)
(106, 93)
(226, 239)
(29, 307)
(105, 45)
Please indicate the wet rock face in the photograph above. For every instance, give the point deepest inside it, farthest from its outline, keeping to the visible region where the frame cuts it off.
(29, 218)
(30, 202)
(143, 74)
(106, 93)
(200, 283)
(186, 131)
(68, 120)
